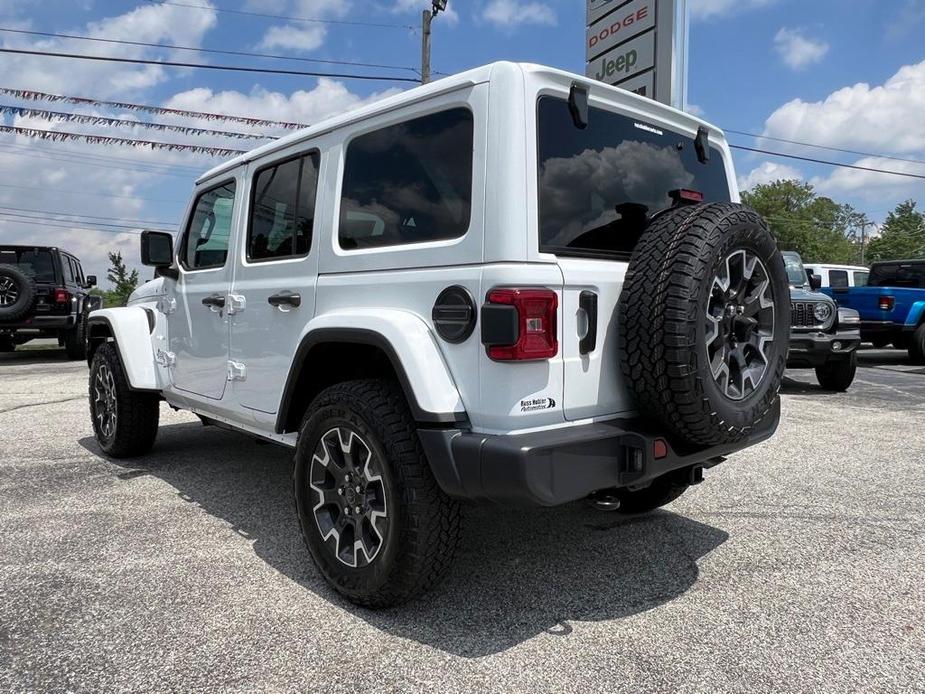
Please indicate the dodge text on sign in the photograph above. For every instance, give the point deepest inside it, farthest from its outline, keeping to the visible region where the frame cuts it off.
(617, 27)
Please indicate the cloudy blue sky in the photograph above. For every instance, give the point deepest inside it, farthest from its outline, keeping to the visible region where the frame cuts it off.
(847, 75)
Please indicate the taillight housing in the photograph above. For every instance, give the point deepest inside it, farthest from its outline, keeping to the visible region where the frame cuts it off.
(887, 303)
(536, 322)
(62, 296)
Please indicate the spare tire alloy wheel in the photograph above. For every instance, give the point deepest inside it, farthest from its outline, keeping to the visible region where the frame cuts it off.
(9, 292)
(17, 293)
(351, 509)
(705, 323)
(740, 324)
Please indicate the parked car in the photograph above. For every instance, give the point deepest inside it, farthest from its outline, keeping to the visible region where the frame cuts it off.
(43, 293)
(837, 278)
(514, 285)
(823, 336)
(892, 306)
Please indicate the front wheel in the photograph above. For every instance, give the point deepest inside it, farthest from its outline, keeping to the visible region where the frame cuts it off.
(376, 523)
(124, 421)
(75, 341)
(838, 375)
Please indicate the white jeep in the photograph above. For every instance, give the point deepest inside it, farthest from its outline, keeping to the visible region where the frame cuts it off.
(514, 285)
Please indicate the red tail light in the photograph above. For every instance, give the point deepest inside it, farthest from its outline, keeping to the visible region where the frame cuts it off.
(536, 322)
(887, 303)
(62, 296)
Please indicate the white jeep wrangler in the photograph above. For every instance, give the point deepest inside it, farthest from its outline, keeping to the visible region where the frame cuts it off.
(514, 285)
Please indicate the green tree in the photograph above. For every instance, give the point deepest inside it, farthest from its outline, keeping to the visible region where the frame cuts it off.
(902, 235)
(123, 281)
(816, 227)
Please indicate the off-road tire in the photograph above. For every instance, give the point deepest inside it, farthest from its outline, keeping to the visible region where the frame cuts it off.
(662, 313)
(137, 414)
(25, 288)
(75, 341)
(7, 344)
(838, 374)
(917, 345)
(662, 491)
(424, 523)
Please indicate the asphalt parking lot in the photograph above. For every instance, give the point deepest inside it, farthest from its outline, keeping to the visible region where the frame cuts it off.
(797, 566)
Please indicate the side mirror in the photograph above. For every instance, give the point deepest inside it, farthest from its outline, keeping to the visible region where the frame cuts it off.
(157, 251)
(815, 282)
(91, 282)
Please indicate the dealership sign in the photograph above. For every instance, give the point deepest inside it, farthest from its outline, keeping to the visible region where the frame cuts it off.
(640, 45)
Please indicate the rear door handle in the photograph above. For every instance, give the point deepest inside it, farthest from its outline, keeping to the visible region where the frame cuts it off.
(587, 304)
(286, 298)
(214, 302)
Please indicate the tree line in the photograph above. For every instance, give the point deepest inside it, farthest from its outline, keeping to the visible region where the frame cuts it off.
(824, 231)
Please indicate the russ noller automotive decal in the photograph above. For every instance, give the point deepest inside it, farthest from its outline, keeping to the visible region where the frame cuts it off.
(534, 404)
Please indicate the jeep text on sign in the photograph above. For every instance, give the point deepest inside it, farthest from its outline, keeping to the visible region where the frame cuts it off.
(619, 26)
(625, 60)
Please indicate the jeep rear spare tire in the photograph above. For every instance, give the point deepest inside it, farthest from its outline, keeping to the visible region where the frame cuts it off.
(17, 293)
(705, 322)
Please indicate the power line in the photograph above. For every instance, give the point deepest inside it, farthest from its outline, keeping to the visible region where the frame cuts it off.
(119, 122)
(311, 20)
(831, 149)
(58, 135)
(216, 51)
(828, 163)
(37, 221)
(30, 95)
(204, 66)
(88, 216)
(61, 191)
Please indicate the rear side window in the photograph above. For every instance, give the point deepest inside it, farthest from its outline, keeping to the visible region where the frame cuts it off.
(283, 209)
(838, 279)
(898, 275)
(860, 279)
(68, 267)
(207, 235)
(37, 264)
(408, 183)
(600, 186)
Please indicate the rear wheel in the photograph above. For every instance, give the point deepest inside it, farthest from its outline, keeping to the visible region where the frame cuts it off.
(376, 523)
(75, 341)
(917, 345)
(705, 322)
(838, 375)
(124, 421)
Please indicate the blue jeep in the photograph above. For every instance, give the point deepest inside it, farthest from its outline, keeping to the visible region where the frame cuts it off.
(892, 306)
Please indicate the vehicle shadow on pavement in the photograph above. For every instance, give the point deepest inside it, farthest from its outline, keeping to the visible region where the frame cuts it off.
(519, 573)
(34, 356)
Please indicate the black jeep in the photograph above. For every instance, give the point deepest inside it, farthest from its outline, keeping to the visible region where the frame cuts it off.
(43, 293)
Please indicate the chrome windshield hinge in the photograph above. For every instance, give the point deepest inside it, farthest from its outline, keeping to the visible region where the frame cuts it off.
(237, 371)
(163, 358)
(236, 304)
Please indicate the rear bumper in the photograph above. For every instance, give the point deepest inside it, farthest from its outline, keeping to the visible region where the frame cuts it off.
(40, 323)
(557, 466)
(809, 350)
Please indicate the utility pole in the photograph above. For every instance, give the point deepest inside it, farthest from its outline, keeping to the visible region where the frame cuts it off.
(437, 6)
(864, 222)
(425, 46)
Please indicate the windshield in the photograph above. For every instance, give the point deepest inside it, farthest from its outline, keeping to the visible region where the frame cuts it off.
(795, 272)
(898, 274)
(35, 263)
(600, 186)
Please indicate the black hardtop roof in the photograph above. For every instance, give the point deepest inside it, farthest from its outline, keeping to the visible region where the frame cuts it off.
(33, 246)
(910, 261)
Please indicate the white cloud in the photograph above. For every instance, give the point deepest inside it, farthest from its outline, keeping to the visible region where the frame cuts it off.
(797, 50)
(707, 9)
(509, 13)
(885, 118)
(768, 172)
(293, 38)
(872, 186)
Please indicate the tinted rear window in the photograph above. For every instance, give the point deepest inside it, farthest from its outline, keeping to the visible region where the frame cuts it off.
(898, 275)
(599, 187)
(35, 263)
(408, 183)
(838, 279)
